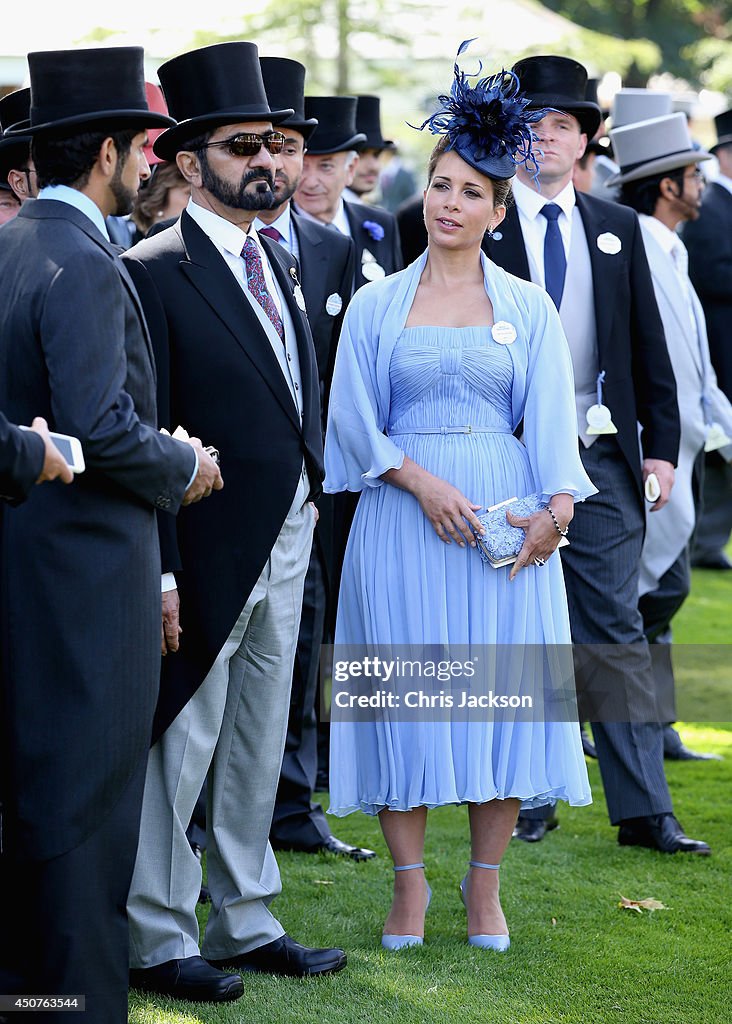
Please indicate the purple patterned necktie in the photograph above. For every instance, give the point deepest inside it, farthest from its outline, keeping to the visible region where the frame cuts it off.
(272, 233)
(258, 286)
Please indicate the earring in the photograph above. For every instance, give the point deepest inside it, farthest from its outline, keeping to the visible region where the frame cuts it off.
(489, 232)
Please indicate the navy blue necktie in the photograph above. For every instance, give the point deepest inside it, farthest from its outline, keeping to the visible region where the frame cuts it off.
(555, 262)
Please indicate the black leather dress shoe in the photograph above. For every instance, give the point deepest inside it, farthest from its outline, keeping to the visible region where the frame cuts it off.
(719, 561)
(287, 957)
(329, 845)
(683, 753)
(533, 830)
(659, 832)
(588, 747)
(192, 978)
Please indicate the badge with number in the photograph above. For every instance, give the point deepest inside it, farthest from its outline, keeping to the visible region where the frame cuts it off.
(600, 421)
(716, 438)
(609, 243)
(503, 332)
(333, 304)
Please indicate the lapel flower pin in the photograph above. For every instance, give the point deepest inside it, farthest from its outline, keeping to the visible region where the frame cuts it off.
(374, 230)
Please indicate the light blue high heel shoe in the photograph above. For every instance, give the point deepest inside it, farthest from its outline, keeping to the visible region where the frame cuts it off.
(499, 943)
(404, 941)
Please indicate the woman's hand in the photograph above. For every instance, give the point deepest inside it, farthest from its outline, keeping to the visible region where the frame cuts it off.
(447, 509)
(542, 536)
(445, 506)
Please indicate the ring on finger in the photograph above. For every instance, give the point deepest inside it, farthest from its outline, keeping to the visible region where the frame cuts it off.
(539, 561)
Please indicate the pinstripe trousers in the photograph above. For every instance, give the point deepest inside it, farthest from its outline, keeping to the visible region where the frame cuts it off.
(601, 568)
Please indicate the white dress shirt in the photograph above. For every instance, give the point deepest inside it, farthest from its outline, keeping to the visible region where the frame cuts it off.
(529, 203)
(339, 222)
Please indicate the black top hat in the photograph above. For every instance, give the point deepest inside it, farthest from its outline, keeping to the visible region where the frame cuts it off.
(723, 126)
(213, 86)
(368, 121)
(75, 90)
(284, 83)
(14, 149)
(336, 129)
(559, 83)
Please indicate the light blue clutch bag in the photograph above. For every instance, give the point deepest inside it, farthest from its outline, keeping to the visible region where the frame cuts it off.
(501, 542)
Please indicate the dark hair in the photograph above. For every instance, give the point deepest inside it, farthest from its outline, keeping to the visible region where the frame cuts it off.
(642, 195)
(502, 193)
(68, 161)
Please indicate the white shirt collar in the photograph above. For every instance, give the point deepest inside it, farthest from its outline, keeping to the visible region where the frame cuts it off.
(724, 181)
(530, 202)
(665, 237)
(79, 200)
(340, 221)
(222, 232)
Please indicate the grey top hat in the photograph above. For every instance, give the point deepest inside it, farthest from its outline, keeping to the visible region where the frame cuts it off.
(633, 105)
(650, 147)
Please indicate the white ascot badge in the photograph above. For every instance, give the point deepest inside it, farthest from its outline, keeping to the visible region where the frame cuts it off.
(370, 267)
(599, 417)
(716, 438)
(609, 243)
(297, 291)
(333, 304)
(503, 333)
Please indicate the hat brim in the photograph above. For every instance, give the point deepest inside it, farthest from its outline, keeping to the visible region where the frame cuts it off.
(663, 163)
(376, 142)
(725, 140)
(107, 120)
(174, 139)
(355, 142)
(588, 114)
(305, 127)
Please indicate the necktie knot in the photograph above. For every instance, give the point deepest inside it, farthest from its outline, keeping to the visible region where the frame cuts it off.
(551, 211)
(272, 233)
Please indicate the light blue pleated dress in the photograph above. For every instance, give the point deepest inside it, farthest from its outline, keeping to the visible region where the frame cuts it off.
(401, 585)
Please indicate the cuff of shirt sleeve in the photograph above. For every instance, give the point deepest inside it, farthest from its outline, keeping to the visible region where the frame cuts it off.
(195, 468)
(167, 581)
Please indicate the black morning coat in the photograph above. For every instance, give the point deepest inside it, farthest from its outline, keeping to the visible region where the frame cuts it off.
(22, 454)
(386, 251)
(639, 382)
(79, 563)
(709, 241)
(219, 379)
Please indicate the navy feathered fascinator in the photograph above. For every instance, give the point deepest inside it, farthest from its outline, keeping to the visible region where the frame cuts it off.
(488, 123)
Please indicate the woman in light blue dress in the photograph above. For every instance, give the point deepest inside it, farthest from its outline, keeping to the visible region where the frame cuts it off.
(436, 368)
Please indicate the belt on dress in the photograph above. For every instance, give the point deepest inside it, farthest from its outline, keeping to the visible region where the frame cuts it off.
(453, 430)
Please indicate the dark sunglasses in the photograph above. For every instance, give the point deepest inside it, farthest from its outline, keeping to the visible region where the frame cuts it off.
(249, 143)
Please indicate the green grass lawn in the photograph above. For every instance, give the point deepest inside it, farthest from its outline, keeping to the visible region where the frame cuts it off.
(576, 957)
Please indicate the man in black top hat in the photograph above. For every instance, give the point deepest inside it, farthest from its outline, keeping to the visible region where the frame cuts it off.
(709, 242)
(80, 564)
(589, 256)
(236, 361)
(328, 168)
(368, 123)
(17, 170)
(327, 265)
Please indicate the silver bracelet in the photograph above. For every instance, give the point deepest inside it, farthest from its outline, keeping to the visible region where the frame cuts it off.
(560, 531)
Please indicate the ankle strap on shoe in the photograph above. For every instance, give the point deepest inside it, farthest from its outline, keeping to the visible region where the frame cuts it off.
(408, 867)
(480, 864)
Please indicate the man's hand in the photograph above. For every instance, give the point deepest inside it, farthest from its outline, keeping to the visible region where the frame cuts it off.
(316, 513)
(207, 479)
(664, 474)
(54, 464)
(171, 630)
